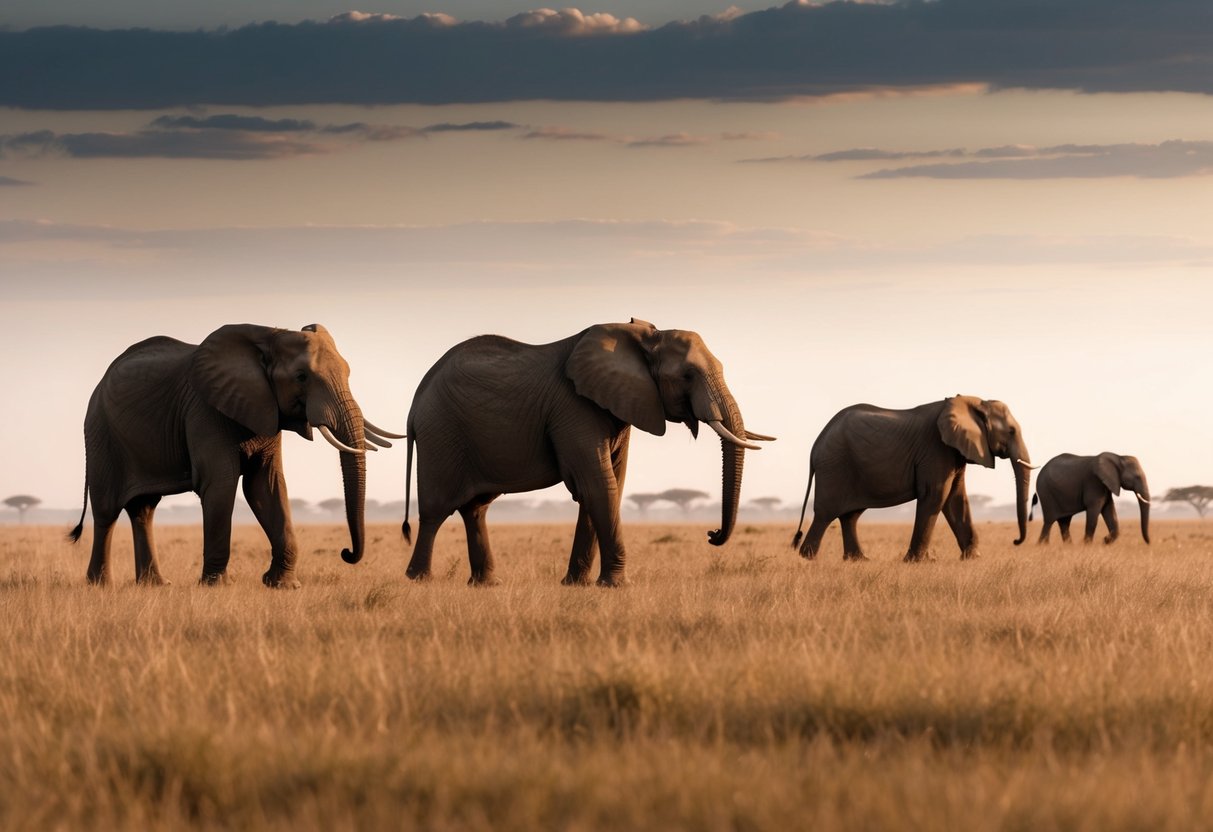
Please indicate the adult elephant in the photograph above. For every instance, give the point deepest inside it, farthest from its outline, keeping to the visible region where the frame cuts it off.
(495, 416)
(1068, 484)
(873, 457)
(169, 417)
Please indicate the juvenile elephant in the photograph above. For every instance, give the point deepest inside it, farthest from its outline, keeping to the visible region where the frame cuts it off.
(169, 417)
(1069, 484)
(495, 416)
(872, 457)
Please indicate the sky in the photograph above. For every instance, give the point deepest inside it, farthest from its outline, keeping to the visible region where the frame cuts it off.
(851, 202)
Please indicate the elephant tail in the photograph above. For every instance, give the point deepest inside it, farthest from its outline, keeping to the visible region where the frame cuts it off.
(803, 507)
(1035, 500)
(408, 484)
(74, 534)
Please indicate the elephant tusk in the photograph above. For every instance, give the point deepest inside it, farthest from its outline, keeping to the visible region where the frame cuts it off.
(370, 447)
(1027, 464)
(1143, 499)
(381, 432)
(728, 436)
(758, 437)
(370, 437)
(336, 443)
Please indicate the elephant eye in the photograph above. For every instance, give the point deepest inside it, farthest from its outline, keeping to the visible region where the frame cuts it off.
(301, 376)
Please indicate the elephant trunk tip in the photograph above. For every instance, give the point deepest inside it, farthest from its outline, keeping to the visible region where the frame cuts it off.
(1017, 541)
(718, 537)
(350, 556)
(407, 532)
(796, 539)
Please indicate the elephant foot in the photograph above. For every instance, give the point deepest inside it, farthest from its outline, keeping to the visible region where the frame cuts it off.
(918, 557)
(1109, 539)
(484, 580)
(855, 556)
(280, 580)
(807, 555)
(418, 575)
(98, 578)
(153, 580)
(215, 579)
(613, 581)
(970, 554)
(575, 580)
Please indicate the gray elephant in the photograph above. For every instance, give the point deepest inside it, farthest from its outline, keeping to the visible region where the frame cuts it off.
(169, 417)
(873, 457)
(1068, 484)
(495, 416)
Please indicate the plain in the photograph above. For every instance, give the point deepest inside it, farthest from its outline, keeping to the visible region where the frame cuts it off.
(1055, 687)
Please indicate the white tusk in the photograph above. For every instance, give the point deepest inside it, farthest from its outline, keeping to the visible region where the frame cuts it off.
(370, 447)
(1027, 464)
(758, 437)
(728, 436)
(384, 433)
(1143, 499)
(341, 446)
(371, 437)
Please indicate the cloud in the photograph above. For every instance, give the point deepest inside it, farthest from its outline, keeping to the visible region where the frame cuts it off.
(668, 140)
(470, 126)
(565, 134)
(794, 50)
(861, 154)
(1167, 160)
(10, 182)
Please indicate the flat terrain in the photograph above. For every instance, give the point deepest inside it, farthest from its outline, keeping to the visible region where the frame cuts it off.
(1038, 688)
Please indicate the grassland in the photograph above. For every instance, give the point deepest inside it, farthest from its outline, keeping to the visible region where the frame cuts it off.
(1035, 689)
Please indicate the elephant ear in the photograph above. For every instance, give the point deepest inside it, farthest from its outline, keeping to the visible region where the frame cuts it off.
(961, 426)
(228, 371)
(610, 368)
(1108, 472)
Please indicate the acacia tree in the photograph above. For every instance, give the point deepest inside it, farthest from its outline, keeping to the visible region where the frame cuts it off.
(1197, 496)
(643, 501)
(766, 503)
(333, 505)
(23, 503)
(682, 497)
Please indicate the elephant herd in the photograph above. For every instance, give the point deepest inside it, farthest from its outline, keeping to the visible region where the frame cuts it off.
(495, 416)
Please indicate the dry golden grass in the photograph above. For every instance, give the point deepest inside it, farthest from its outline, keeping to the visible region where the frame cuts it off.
(1036, 688)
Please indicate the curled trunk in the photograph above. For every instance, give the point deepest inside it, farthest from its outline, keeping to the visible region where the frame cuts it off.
(353, 475)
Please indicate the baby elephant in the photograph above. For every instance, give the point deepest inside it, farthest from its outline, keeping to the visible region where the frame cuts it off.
(1068, 484)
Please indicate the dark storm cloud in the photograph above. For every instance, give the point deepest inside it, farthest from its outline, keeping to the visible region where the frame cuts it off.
(1166, 160)
(798, 49)
(163, 144)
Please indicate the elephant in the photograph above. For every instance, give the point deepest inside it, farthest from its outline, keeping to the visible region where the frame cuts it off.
(169, 417)
(496, 416)
(1067, 484)
(873, 457)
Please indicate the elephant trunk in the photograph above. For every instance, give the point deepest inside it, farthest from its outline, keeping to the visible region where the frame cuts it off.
(1020, 464)
(349, 429)
(1143, 503)
(732, 461)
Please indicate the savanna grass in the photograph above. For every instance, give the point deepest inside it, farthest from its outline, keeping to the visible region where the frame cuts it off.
(1061, 687)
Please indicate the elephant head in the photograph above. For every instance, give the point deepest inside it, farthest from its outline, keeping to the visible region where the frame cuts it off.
(647, 377)
(1117, 472)
(982, 430)
(269, 379)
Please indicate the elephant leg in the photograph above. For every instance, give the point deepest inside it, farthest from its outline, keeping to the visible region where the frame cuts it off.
(812, 538)
(850, 537)
(265, 491)
(598, 493)
(1092, 520)
(423, 551)
(585, 546)
(930, 502)
(218, 497)
(103, 528)
(1044, 530)
(960, 519)
(141, 511)
(480, 554)
(1063, 525)
(1109, 518)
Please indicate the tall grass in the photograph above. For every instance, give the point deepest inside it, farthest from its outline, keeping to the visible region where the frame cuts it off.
(1036, 688)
